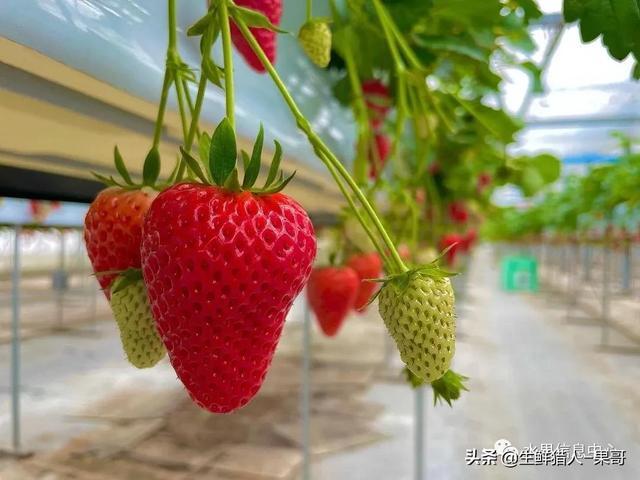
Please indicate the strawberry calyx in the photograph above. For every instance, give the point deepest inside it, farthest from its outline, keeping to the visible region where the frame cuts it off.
(445, 389)
(448, 387)
(150, 173)
(126, 278)
(218, 163)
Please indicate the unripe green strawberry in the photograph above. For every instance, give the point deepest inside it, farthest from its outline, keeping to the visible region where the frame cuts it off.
(315, 40)
(130, 305)
(418, 309)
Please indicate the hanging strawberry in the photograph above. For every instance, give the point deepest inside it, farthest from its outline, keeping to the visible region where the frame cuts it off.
(315, 39)
(368, 266)
(458, 212)
(138, 334)
(332, 294)
(451, 243)
(223, 262)
(267, 38)
(378, 101)
(113, 224)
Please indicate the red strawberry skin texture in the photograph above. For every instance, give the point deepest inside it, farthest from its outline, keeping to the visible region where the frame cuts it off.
(222, 270)
(272, 9)
(332, 294)
(113, 231)
(368, 266)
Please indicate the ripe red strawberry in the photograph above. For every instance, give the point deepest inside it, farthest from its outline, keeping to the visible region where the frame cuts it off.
(378, 160)
(458, 212)
(368, 266)
(112, 231)
(222, 269)
(272, 9)
(332, 294)
(378, 100)
(454, 243)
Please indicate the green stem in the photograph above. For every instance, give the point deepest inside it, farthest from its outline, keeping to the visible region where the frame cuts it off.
(363, 222)
(172, 24)
(223, 12)
(388, 33)
(386, 19)
(166, 85)
(309, 9)
(328, 158)
(202, 88)
(180, 94)
(362, 118)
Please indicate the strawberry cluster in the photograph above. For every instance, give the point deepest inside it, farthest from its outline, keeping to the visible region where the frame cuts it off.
(206, 270)
(334, 291)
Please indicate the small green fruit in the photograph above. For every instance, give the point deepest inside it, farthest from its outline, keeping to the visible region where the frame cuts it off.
(418, 309)
(130, 305)
(315, 40)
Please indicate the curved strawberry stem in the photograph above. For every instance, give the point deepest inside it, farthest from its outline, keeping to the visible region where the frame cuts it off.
(223, 12)
(328, 157)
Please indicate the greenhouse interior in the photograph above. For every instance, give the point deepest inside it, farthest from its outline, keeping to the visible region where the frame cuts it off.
(320, 239)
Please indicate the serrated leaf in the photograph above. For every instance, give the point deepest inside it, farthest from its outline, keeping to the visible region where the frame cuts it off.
(151, 167)
(193, 165)
(223, 152)
(253, 18)
(275, 165)
(121, 167)
(253, 169)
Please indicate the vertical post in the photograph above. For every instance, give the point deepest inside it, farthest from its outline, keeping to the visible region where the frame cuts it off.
(626, 268)
(418, 442)
(305, 406)
(15, 341)
(61, 279)
(606, 260)
(586, 266)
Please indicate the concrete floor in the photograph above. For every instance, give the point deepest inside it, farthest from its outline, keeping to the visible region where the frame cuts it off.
(535, 378)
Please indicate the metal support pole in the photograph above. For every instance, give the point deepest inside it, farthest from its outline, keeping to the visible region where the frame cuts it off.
(305, 403)
(606, 261)
(62, 280)
(15, 342)
(587, 261)
(419, 440)
(626, 269)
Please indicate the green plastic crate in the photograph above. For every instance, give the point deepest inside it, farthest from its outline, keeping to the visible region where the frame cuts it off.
(519, 274)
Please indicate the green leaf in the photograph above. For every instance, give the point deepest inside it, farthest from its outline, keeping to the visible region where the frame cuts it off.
(253, 169)
(194, 165)
(277, 187)
(201, 25)
(636, 71)
(121, 167)
(246, 159)
(496, 122)
(616, 21)
(232, 182)
(151, 167)
(253, 18)
(548, 166)
(275, 165)
(223, 152)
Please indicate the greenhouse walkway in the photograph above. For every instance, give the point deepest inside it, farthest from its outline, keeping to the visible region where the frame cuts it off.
(516, 348)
